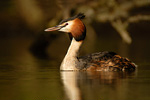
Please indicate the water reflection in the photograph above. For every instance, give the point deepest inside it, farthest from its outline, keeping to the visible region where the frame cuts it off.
(75, 81)
(71, 88)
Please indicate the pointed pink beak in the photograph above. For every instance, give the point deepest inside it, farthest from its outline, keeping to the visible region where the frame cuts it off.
(55, 28)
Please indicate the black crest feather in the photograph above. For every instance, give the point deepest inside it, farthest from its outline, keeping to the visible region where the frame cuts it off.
(80, 16)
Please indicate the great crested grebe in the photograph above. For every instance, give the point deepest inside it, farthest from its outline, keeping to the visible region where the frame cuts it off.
(100, 61)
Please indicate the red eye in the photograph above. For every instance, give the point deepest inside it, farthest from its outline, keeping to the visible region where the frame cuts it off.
(66, 24)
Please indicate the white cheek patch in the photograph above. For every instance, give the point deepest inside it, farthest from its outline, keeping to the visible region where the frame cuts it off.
(67, 28)
(64, 29)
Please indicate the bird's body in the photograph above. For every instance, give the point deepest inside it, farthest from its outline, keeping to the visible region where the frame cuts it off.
(101, 61)
(106, 61)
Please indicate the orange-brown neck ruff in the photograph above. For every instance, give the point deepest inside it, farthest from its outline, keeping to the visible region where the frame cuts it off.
(78, 30)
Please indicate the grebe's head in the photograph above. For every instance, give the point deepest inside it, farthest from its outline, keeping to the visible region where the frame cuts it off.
(74, 26)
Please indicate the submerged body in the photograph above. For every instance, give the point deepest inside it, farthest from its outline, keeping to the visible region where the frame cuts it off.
(101, 61)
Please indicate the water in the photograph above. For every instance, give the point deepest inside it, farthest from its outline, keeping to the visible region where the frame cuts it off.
(26, 77)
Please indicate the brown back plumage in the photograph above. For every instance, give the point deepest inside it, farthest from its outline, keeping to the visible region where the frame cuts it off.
(106, 61)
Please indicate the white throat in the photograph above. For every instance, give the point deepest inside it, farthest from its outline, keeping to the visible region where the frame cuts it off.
(70, 61)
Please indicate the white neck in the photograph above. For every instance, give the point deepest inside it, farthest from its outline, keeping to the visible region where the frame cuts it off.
(70, 61)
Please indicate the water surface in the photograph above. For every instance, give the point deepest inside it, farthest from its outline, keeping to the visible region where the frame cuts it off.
(26, 77)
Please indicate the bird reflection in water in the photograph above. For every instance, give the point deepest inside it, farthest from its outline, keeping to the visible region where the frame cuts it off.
(70, 79)
(73, 81)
